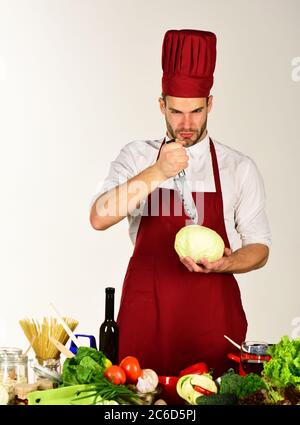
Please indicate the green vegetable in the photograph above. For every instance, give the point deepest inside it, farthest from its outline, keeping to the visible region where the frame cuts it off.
(231, 383)
(108, 391)
(284, 367)
(71, 395)
(86, 367)
(217, 399)
(199, 242)
(250, 384)
(240, 386)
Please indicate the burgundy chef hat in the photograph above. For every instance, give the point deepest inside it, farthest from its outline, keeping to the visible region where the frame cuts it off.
(188, 63)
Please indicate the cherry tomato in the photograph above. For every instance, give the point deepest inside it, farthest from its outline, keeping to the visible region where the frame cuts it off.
(202, 390)
(115, 374)
(132, 369)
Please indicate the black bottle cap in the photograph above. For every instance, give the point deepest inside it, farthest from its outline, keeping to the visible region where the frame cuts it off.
(110, 290)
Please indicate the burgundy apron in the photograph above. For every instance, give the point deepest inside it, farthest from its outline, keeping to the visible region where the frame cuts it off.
(169, 317)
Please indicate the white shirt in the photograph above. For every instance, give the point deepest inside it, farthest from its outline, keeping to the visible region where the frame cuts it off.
(241, 182)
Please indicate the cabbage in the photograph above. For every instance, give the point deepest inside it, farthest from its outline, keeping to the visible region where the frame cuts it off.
(199, 242)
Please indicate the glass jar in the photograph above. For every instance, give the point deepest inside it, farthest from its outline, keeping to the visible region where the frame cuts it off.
(47, 369)
(51, 364)
(13, 369)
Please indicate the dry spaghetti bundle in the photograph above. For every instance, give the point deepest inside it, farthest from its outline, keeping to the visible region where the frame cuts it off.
(39, 335)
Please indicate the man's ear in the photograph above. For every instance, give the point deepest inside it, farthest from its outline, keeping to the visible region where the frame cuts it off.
(162, 105)
(209, 103)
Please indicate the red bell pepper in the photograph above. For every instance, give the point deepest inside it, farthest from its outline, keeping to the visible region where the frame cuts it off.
(199, 368)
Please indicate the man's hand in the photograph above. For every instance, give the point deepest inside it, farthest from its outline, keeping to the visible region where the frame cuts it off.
(206, 266)
(245, 259)
(172, 159)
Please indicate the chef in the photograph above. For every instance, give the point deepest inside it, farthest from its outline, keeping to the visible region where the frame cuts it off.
(174, 312)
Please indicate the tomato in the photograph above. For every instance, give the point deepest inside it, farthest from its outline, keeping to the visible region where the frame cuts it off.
(202, 390)
(115, 374)
(199, 368)
(132, 369)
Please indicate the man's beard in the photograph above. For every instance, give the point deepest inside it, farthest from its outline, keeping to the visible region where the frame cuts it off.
(196, 137)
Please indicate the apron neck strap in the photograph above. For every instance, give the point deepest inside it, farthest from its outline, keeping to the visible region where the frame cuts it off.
(215, 166)
(161, 145)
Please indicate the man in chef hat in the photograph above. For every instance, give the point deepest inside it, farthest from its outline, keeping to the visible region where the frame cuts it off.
(174, 312)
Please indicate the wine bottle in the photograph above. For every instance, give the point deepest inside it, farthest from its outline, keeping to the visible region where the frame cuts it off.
(109, 330)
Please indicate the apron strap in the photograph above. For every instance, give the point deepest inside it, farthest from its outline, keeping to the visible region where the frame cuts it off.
(163, 142)
(215, 166)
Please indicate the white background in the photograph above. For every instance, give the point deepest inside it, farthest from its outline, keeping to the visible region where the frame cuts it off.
(79, 80)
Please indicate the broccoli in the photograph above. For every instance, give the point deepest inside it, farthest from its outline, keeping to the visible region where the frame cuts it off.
(250, 384)
(231, 383)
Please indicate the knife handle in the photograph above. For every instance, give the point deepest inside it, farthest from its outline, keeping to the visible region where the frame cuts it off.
(182, 172)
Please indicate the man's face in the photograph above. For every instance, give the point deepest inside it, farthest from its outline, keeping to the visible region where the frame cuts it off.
(186, 118)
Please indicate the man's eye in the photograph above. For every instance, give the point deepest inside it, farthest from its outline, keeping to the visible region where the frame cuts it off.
(176, 112)
(198, 110)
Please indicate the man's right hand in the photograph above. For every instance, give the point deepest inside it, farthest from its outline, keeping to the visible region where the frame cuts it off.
(172, 159)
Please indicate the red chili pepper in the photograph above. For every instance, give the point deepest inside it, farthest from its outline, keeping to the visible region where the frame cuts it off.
(202, 390)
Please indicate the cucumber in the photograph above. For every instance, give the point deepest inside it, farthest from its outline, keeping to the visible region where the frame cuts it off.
(217, 399)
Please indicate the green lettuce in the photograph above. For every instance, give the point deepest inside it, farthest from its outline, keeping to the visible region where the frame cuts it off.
(284, 367)
(86, 367)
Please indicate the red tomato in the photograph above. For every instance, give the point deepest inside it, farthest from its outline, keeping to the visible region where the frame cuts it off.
(202, 390)
(132, 369)
(115, 374)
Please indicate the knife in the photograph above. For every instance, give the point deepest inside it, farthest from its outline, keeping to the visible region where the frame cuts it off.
(185, 194)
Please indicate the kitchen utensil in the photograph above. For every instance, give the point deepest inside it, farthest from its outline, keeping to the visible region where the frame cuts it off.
(169, 392)
(253, 356)
(65, 326)
(29, 347)
(232, 342)
(185, 193)
(45, 372)
(92, 341)
(62, 348)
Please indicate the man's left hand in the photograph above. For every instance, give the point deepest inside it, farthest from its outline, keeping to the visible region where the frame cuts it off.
(206, 266)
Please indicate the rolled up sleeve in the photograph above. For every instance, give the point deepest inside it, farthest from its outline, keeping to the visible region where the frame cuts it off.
(251, 219)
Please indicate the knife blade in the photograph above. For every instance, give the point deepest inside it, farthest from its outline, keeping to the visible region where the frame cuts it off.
(185, 193)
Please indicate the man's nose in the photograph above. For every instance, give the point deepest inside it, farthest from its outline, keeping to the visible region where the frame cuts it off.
(186, 121)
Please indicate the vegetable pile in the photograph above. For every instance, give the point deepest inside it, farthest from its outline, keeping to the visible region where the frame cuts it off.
(278, 384)
(90, 378)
